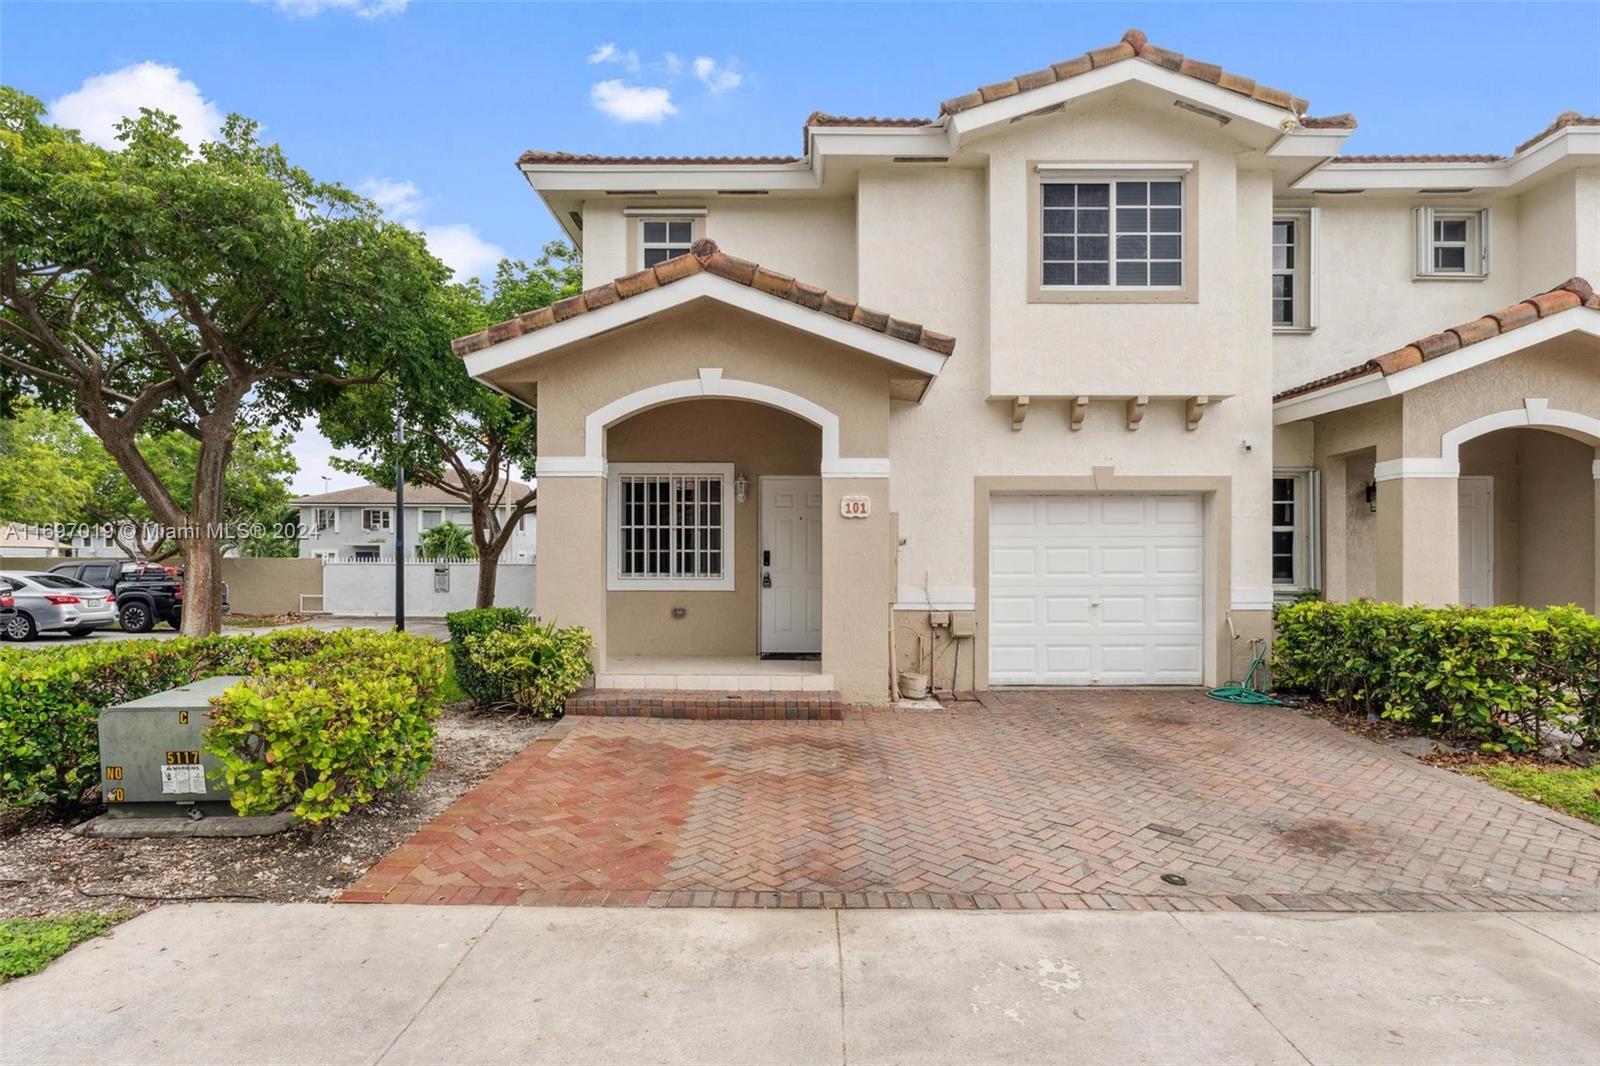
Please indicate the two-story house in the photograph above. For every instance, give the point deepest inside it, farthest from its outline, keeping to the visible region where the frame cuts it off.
(358, 524)
(995, 391)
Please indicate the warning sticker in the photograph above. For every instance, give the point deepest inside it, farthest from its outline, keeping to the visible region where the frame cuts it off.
(183, 779)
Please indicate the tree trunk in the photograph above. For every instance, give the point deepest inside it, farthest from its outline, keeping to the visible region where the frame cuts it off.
(488, 568)
(201, 544)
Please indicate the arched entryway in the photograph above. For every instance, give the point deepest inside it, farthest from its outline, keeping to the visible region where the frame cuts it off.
(1526, 532)
(714, 537)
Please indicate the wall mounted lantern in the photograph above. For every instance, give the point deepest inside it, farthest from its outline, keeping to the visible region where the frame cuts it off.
(741, 487)
(1372, 496)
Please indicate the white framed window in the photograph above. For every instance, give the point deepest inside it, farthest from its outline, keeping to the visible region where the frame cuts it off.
(366, 553)
(375, 518)
(670, 526)
(1452, 242)
(661, 239)
(431, 517)
(1294, 530)
(1294, 236)
(326, 519)
(1112, 232)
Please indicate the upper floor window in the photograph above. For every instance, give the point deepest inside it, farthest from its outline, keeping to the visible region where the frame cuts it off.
(432, 517)
(1452, 242)
(661, 239)
(1292, 307)
(1108, 234)
(374, 518)
(326, 518)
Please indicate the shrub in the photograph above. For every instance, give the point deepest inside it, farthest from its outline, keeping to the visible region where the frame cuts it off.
(537, 665)
(50, 699)
(479, 687)
(325, 733)
(1501, 676)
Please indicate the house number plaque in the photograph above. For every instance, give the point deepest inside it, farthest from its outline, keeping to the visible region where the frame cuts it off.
(855, 506)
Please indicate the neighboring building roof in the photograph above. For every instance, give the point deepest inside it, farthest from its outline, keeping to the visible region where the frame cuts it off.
(1133, 45)
(705, 256)
(15, 536)
(1574, 292)
(1563, 120)
(416, 496)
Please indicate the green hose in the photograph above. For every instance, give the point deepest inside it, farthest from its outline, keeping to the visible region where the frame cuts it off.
(1246, 691)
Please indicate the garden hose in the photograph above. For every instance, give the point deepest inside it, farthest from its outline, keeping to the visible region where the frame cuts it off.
(1246, 691)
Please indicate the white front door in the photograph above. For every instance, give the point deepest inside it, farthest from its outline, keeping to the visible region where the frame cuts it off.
(791, 565)
(1096, 590)
(1476, 540)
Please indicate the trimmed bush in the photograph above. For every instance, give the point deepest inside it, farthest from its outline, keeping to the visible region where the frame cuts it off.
(479, 687)
(50, 698)
(537, 665)
(1504, 677)
(327, 732)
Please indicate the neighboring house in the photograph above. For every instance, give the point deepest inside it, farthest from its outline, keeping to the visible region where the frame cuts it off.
(358, 524)
(1025, 389)
(18, 540)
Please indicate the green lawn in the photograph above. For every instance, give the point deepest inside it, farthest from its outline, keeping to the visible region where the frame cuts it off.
(28, 945)
(1572, 791)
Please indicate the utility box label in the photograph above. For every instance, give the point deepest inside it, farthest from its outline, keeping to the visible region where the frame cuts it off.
(855, 506)
(183, 780)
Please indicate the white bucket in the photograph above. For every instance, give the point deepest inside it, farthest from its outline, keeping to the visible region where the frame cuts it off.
(913, 686)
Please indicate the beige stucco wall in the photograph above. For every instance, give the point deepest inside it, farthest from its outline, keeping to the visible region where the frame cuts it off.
(812, 238)
(758, 441)
(271, 586)
(1216, 344)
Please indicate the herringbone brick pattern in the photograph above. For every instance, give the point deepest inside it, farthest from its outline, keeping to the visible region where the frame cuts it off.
(1034, 799)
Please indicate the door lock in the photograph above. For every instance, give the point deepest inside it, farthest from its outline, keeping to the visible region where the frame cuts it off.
(766, 558)
(766, 580)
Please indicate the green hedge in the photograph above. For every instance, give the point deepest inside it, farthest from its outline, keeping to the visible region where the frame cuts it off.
(538, 665)
(1501, 676)
(481, 688)
(314, 683)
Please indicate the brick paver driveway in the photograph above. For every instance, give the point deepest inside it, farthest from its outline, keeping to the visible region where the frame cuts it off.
(1035, 799)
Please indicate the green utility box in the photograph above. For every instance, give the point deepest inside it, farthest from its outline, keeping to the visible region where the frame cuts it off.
(152, 764)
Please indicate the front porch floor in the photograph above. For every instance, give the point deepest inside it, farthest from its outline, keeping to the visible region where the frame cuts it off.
(714, 673)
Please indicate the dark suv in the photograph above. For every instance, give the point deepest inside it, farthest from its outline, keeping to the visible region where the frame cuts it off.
(146, 593)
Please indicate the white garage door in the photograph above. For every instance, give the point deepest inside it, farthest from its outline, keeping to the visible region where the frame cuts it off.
(1096, 590)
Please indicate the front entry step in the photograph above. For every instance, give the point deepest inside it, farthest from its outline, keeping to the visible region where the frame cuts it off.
(707, 704)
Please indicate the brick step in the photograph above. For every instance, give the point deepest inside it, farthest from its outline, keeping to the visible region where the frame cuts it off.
(707, 704)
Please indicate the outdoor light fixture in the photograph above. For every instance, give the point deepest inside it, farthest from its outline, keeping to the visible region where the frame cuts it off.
(741, 487)
(1372, 496)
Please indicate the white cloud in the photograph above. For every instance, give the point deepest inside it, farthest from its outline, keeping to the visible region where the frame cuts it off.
(610, 53)
(96, 106)
(672, 62)
(718, 77)
(460, 248)
(632, 103)
(456, 244)
(369, 10)
(401, 199)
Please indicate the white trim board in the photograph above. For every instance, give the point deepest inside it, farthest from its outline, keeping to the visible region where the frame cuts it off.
(1377, 386)
(703, 285)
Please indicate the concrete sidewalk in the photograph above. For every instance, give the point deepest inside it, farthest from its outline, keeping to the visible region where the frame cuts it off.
(228, 983)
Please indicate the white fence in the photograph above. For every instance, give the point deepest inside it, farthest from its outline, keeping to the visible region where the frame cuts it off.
(433, 589)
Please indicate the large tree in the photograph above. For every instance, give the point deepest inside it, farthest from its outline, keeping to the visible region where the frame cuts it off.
(462, 437)
(55, 472)
(152, 288)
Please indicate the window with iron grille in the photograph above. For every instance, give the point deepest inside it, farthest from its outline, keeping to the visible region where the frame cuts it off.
(671, 526)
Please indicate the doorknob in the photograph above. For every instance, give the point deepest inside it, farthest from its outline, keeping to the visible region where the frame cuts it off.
(766, 580)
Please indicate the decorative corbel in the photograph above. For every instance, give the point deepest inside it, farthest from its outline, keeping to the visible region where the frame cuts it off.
(1019, 411)
(1077, 407)
(1194, 410)
(1136, 406)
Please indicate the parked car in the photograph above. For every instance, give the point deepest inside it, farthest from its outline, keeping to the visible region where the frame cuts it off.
(146, 593)
(8, 605)
(53, 603)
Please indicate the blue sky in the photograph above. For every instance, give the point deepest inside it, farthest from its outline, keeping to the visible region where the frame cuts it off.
(426, 105)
